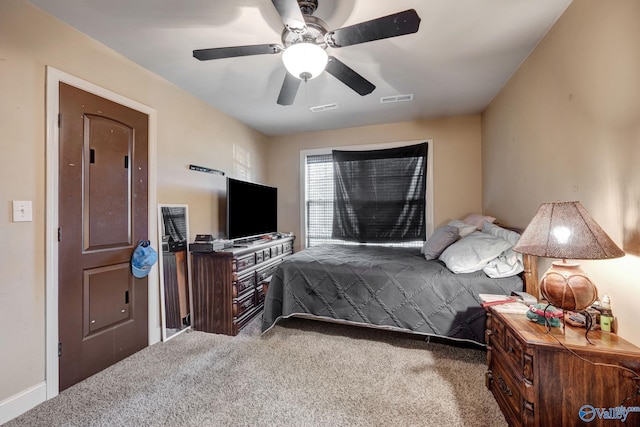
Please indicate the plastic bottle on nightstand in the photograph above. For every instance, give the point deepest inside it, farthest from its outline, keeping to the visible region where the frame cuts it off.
(606, 316)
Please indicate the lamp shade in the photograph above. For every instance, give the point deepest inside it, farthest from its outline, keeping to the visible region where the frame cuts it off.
(305, 60)
(566, 230)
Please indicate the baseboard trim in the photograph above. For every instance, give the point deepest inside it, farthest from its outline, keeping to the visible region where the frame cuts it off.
(20, 403)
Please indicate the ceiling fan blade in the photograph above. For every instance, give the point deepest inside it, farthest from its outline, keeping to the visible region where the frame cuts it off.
(291, 15)
(289, 90)
(230, 52)
(398, 24)
(349, 77)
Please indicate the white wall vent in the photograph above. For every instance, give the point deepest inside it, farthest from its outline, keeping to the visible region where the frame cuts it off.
(326, 107)
(396, 98)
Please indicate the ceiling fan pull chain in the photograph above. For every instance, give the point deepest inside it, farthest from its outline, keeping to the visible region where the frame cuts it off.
(306, 97)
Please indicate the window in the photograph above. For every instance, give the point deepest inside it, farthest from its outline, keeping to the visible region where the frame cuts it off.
(174, 223)
(319, 199)
(317, 194)
(241, 163)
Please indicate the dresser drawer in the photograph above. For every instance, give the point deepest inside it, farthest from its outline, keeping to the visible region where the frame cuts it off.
(260, 295)
(242, 285)
(265, 273)
(244, 262)
(506, 389)
(276, 250)
(514, 349)
(248, 316)
(244, 303)
(495, 331)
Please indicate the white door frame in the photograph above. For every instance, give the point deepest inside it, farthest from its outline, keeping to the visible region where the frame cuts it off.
(54, 77)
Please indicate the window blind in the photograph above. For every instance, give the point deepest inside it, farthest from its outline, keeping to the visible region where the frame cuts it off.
(174, 223)
(319, 199)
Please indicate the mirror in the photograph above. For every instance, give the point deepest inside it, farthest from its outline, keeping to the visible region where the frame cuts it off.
(174, 264)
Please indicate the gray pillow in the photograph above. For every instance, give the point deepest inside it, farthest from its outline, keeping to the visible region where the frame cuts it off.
(440, 240)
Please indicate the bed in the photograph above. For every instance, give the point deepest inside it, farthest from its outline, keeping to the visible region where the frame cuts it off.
(387, 288)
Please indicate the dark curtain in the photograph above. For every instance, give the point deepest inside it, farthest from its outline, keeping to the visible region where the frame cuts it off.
(379, 195)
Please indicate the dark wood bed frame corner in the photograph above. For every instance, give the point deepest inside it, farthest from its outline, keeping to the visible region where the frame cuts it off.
(530, 275)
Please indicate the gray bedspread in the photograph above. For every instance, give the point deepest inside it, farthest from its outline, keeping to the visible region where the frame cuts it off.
(393, 288)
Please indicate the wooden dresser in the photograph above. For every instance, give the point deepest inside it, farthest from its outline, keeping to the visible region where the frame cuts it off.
(228, 286)
(545, 379)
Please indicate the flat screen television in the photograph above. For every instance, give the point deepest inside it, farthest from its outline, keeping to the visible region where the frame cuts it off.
(252, 209)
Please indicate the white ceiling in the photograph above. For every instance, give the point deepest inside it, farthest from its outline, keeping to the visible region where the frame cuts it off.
(462, 55)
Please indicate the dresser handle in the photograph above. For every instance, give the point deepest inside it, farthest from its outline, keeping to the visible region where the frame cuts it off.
(503, 386)
(510, 349)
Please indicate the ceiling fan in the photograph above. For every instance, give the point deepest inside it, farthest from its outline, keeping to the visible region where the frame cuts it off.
(305, 39)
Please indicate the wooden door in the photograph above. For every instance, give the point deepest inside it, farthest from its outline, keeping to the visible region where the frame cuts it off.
(103, 175)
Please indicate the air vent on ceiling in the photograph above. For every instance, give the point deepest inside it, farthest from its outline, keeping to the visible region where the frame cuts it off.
(396, 98)
(326, 107)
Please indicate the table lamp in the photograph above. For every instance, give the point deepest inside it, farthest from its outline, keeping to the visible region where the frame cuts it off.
(565, 230)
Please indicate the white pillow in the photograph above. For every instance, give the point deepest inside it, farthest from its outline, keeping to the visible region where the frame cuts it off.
(464, 229)
(477, 220)
(495, 230)
(473, 252)
(509, 263)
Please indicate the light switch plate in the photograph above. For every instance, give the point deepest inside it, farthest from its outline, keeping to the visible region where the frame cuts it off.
(22, 211)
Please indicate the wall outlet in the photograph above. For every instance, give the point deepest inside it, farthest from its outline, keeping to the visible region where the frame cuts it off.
(22, 211)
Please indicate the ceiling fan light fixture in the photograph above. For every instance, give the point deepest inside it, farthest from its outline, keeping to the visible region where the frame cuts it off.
(305, 60)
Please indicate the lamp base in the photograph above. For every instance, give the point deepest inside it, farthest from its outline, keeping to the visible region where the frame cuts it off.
(566, 286)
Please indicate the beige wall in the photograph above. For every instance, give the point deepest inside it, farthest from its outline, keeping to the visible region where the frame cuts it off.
(456, 150)
(188, 132)
(567, 127)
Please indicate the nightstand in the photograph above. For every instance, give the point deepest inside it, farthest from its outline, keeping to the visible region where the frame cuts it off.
(538, 381)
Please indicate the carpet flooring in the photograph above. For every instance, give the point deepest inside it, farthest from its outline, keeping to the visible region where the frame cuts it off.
(300, 373)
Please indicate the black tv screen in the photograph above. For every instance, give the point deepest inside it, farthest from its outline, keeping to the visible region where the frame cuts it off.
(252, 209)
